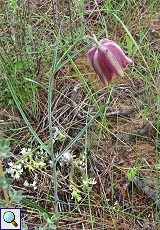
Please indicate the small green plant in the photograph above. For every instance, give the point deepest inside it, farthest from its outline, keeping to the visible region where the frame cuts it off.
(132, 172)
(50, 221)
(77, 165)
(132, 49)
(30, 160)
(5, 183)
(13, 6)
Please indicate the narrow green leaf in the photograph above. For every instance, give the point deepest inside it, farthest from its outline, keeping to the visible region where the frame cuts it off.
(24, 116)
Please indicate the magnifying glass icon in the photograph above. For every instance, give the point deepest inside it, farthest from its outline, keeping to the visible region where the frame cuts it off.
(9, 217)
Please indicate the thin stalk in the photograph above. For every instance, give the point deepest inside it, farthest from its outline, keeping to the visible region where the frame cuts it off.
(4, 190)
(94, 39)
(55, 65)
(86, 174)
(50, 93)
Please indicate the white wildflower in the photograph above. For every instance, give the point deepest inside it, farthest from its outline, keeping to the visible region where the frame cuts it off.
(90, 181)
(15, 170)
(85, 182)
(67, 157)
(50, 162)
(41, 163)
(34, 184)
(115, 205)
(29, 150)
(26, 184)
(23, 151)
(93, 181)
(83, 157)
(10, 164)
(16, 176)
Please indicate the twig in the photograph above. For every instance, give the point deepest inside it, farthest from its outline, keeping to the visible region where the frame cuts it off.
(120, 199)
(125, 113)
(125, 204)
(73, 97)
(149, 192)
(141, 91)
(141, 132)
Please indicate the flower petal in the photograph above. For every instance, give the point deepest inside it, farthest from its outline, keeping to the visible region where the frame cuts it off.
(91, 53)
(95, 63)
(100, 67)
(117, 52)
(111, 61)
(104, 40)
(108, 59)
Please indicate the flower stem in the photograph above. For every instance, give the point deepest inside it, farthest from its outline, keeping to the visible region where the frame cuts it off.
(52, 154)
(94, 39)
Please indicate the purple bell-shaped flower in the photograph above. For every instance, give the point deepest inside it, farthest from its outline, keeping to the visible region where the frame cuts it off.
(107, 59)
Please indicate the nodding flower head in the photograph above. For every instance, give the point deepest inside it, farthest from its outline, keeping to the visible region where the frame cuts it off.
(107, 59)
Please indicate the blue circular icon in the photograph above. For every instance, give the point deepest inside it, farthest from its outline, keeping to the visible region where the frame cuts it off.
(9, 217)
